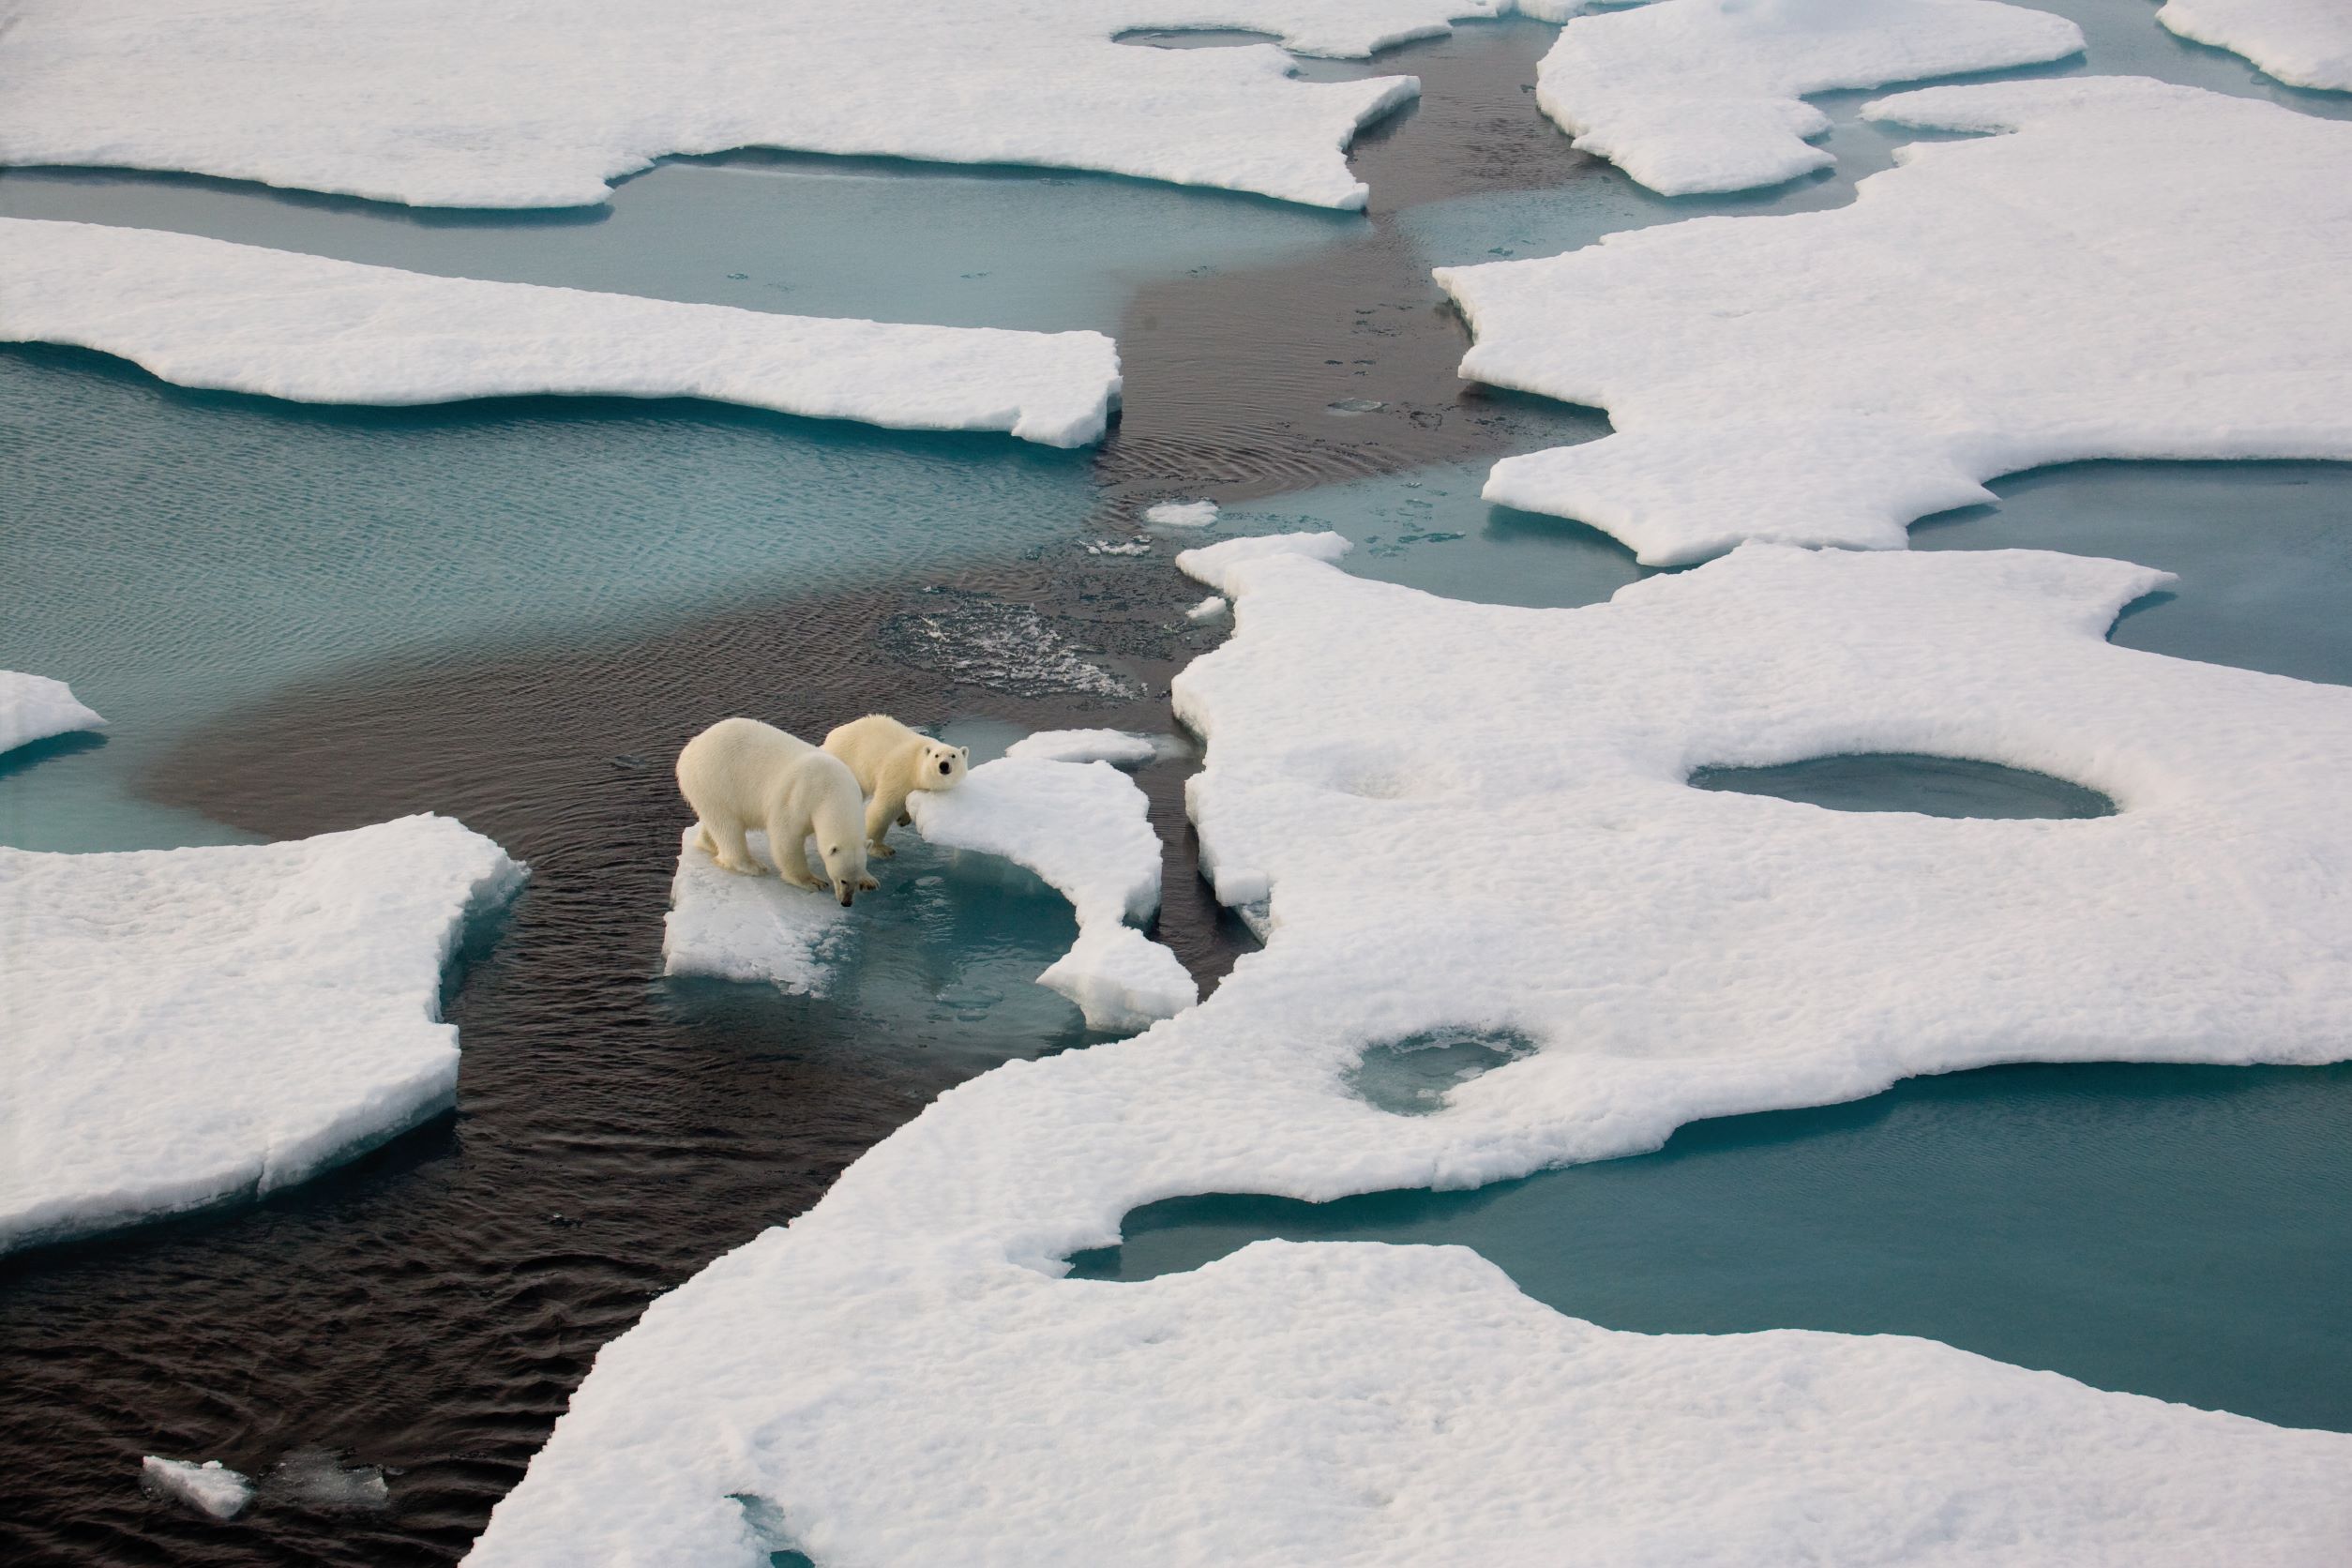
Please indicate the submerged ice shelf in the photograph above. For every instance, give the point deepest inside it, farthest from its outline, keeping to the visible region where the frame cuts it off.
(188, 1026)
(35, 707)
(202, 312)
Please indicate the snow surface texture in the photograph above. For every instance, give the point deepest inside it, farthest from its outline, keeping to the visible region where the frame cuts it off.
(1691, 96)
(33, 707)
(210, 1487)
(514, 103)
(189, 1027)
(1121, 748)
(202, 312)
(2305, 43)
(1182, 514)
(2046, 296)
(729, 927)
(896, 1377)
(1084, 827)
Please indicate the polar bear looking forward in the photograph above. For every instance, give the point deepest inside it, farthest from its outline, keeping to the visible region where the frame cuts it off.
(741, 773)
(892, 761)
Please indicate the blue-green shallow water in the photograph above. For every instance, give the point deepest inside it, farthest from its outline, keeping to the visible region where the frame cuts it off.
(2184, 1232)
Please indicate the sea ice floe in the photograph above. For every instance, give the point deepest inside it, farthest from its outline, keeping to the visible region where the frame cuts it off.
(1085, 828)
(1122, 748)
(2305, 43)
(1474, 818)
(2040, 296)
(729, 927)
(210, 1488)
(543, 102)
(1207, 610)
(204, 313)
(1182, 514)
(35, 707)
(1691, 96)
(187, 1027)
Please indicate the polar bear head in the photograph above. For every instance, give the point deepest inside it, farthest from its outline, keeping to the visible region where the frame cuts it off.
(941, 766)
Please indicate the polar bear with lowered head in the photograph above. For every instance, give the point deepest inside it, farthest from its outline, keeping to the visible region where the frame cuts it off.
(891, 763)
(741, 773)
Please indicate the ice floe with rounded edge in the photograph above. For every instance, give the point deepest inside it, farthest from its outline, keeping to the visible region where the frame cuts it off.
(189, 1027)
(204, 313)
(1693, 95)
(1182, 514)
(2303, 43)
(35, 707)
(1207, 610)
(1085, 828)
(518, 103)
(726, 926)
(2045, 295)
(1474, 816)
(211, 1489)
(1119, 747)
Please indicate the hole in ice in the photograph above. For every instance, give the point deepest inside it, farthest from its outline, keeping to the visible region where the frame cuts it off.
(767, 1525)
(1412, 1077)
(1193, 38)
(1904, 781)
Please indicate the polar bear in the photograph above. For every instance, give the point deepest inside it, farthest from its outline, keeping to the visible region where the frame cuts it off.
(741, 773)
(891, 763)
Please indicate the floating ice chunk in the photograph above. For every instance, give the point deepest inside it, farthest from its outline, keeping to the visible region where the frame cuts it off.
(1085, 828)
(542, 102)
(1182, 514)
(730, 927)
(187, 1027)
(1690, 96)
(1208, 609)
(1119, 546)
(1474, 818)
(202, 312)
(317, 1478)
(2041, 297)
(210, 1487)
(35, 707)
(1121, 748)
(2305, 43)
(1214, 564)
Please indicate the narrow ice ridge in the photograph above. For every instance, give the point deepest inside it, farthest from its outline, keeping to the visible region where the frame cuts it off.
(520, 103)
(2305, 43)
(1694, 95)
(2045, 295)
(729, 927)
(1474, 816)
(1085, 828)
(186, 1027)
(35, 707)
(204, 313)
(211, 1489)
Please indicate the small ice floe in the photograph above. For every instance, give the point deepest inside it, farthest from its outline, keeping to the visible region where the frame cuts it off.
(1119, 748)
(317, 1478)
(1207, 610)
(2305, 43)
(190, 1027)
(729, 927)
(210, 1487)
(1860, 405)
(35, 707)
(1182, 514)
(1084, 827)
(1140, 544)
(1691, 96)
(1347, 406)
(204, 313)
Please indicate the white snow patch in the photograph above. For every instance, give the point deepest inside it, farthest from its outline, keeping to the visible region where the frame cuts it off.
(202, 312)
(186, 1027)
(1208, 609)
(1476, 817)
(2303, 43)
(2046, 296)
(211, 1487)
(1182, 514)
(1121, 748)
(508, 104)
(1691, 96)
(1085, 828)
(35, 707)
(729, 927)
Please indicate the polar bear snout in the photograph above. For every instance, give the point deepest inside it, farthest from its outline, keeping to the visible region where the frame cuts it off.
(945, 767)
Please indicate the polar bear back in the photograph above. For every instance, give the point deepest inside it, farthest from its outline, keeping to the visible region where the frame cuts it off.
(880, 750)
(733, 768)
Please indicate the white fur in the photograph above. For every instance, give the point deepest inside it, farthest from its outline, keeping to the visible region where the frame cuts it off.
(891, 763)
(741, 773)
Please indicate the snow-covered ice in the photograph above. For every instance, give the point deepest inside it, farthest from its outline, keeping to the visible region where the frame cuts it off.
(204, 313)
(2305, 43)
(1122, 748)
(187, 1027)
(2040, 296)
(1208, 609)
(543, 102)
(1691, 96)
(210, 1488)
(1085, 828)
(1182, 514)
(730, 927)
(1474, 816)
(35, 707)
